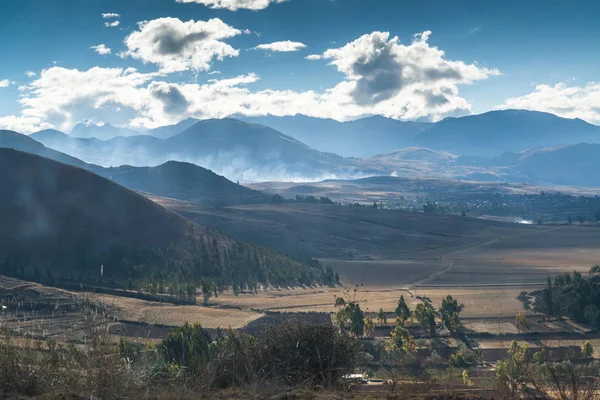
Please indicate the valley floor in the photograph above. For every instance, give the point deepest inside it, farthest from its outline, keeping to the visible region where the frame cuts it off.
(485, 265)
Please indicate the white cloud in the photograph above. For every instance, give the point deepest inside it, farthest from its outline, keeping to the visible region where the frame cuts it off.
(30, 74)
(112, 24)
(61, 97)
(175, 45)
(22, 124)
(283, 46)
(6, 83)
(379, 69)
(382, 77)
(235, 5)
(561, 99)
(101, 49)
(313, 57)
(110, 15)
(214, 73)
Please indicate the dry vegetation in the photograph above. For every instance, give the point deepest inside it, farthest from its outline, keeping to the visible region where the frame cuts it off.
(152, 313)
(486, 265)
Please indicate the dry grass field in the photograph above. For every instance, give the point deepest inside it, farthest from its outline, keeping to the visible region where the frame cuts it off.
(481, 303)
(39, 312)
(488, 302)
(313, 300)
(152, 313)
(485, 264)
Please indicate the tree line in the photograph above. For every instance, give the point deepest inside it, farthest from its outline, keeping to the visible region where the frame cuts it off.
(573, 296)
(203, 262)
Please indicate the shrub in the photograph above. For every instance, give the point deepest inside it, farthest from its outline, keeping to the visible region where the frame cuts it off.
(186, 346)
(299, 353)
(463, 358)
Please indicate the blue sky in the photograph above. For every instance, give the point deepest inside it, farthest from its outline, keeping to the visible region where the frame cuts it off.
(535, 54)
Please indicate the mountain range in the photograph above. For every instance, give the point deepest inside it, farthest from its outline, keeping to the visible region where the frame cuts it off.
(496, 132)
(572, 165)
(508, 145)
(359, 138)
(183, 181)
(490, 133)
(236, 149)
(89, 129)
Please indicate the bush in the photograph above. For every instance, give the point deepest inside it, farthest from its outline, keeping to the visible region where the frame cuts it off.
(299, 353)
(462, 358)
(234, 360)
(32, 369)
(187, 346)
(187, 360)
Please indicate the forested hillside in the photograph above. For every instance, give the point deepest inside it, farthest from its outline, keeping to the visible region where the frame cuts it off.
(64, 224)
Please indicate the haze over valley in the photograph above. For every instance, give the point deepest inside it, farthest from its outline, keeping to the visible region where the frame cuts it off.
(504, 146)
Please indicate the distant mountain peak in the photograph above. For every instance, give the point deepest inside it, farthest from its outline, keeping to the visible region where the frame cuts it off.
(48, 132)
(89, 122)
(100, 130)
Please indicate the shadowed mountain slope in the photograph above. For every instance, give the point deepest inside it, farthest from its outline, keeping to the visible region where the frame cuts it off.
(17, 141)
(63, 222)
(185, 181)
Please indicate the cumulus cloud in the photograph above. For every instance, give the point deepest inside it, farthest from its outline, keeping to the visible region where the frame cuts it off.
(175, 45)
(61, 97)
(23, 124)
(30, 74)
(382, 77)
(6, 83)
(110, 15)
(283, 46)
(234, 5)
(174, 102)
(112, 24)
(379, 68)
(101, 49)
(561, 99)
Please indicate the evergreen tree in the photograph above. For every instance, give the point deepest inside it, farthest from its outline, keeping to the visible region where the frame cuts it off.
(402, 310)
(426, 317)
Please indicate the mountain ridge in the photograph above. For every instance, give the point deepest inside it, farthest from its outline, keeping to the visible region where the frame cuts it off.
(175, 179)
(500, 131)
(61, 222)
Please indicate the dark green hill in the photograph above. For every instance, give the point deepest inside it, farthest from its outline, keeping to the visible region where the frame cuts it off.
(62, 223)
(185, 181)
